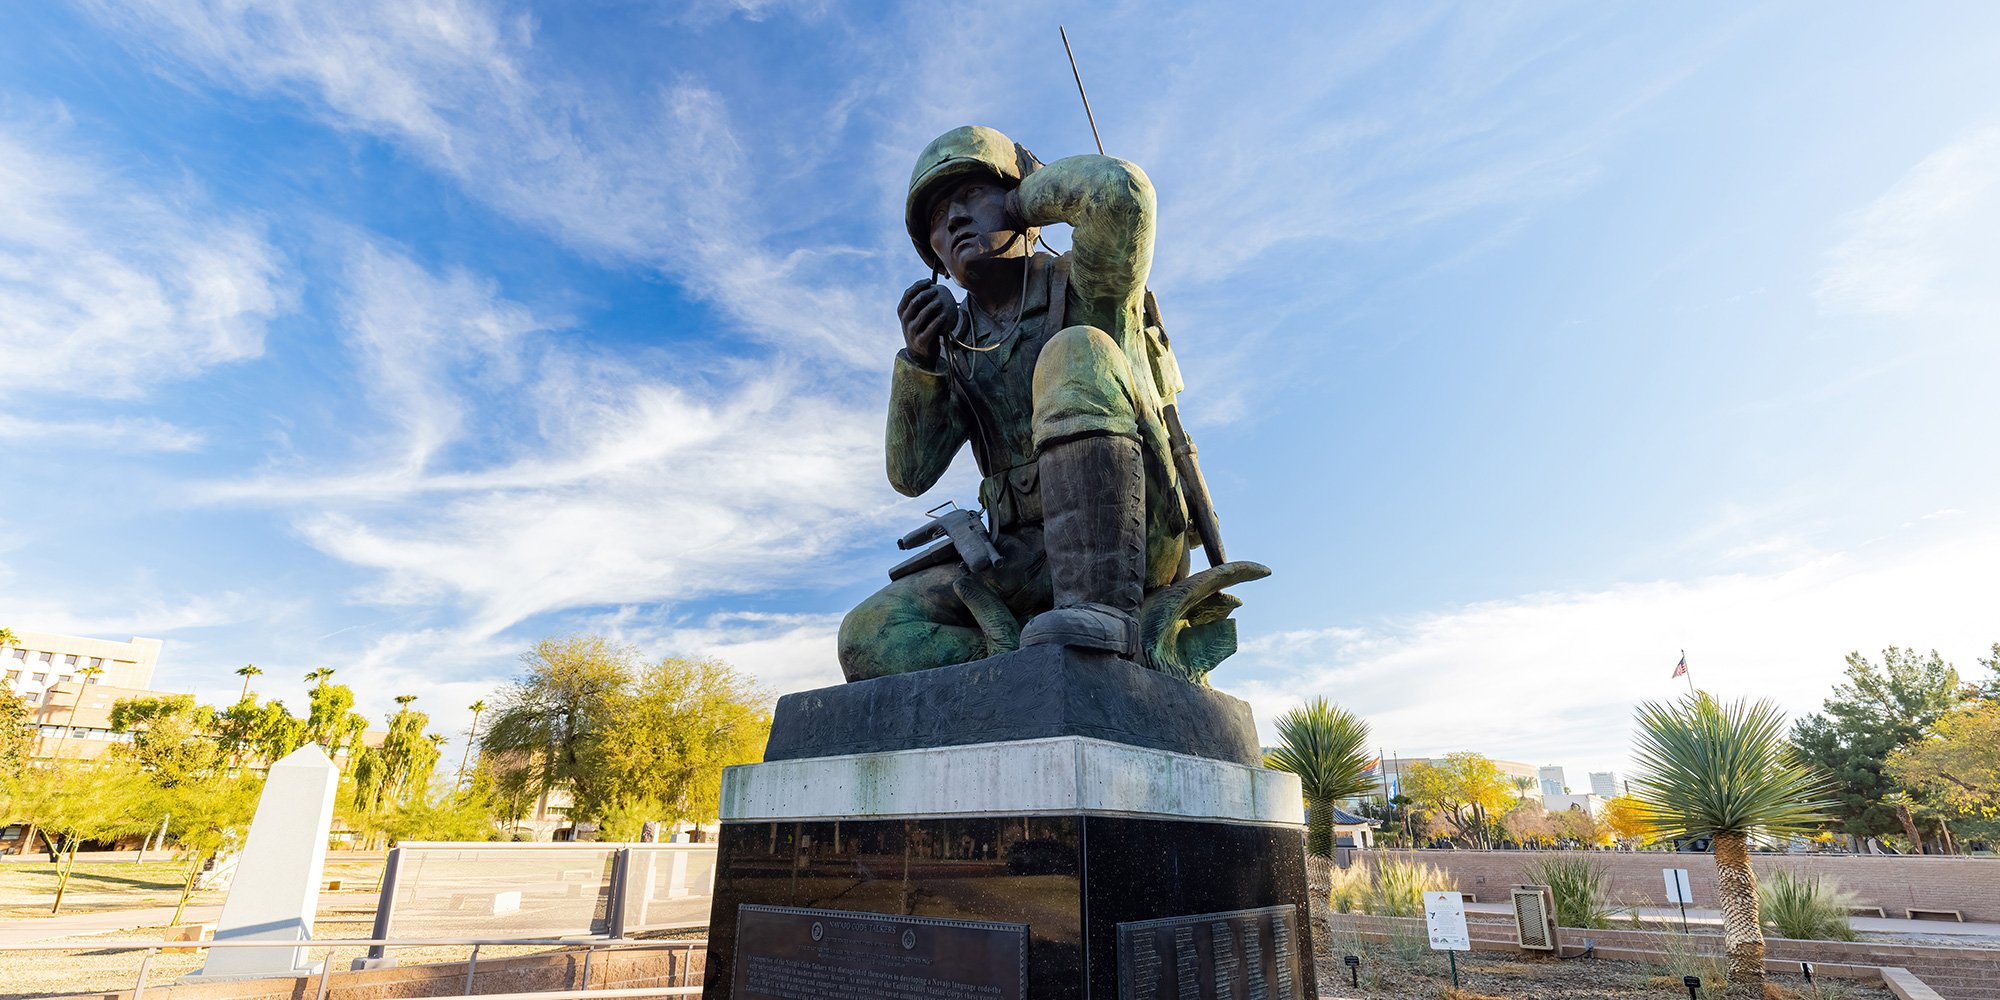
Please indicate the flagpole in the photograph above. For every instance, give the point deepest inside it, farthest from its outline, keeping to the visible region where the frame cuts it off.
(1689, 672)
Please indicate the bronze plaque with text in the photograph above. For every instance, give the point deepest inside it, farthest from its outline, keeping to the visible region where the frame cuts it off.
(793, 954)
(1239, 955)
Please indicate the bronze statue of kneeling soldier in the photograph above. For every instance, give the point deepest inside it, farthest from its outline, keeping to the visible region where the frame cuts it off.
(1057, 371)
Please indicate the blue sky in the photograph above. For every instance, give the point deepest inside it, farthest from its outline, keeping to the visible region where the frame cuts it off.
(1530, 344)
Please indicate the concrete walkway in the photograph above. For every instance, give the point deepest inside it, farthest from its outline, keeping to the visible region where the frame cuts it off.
(29, 930)
(1670, 917)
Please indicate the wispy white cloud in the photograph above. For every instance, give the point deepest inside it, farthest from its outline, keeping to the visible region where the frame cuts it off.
(118, 434)
(108, 287)
(629, 488)
(656, 175)
(1927, 246)
(1554, 677)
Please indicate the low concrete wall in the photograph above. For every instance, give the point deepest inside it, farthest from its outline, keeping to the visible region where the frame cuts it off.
(619, 969)
(1955, 973)
(1896, 884)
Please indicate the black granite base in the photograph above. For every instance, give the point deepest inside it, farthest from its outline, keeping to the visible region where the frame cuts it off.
(1029, 694)
(1071, 879)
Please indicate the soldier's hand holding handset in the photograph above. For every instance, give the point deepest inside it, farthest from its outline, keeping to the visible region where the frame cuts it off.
(928, 312)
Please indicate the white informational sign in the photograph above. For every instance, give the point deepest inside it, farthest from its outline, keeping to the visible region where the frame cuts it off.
(1444, 915)
(1678, 890)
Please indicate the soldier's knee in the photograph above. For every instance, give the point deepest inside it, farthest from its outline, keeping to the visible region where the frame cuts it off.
(861, 636)
(1082, 386)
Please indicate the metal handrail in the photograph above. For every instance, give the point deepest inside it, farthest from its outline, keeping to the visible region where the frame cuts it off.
(595, 942)
(325, 976)
(656, 991)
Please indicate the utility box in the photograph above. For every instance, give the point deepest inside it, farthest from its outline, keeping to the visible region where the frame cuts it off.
(1534, 917)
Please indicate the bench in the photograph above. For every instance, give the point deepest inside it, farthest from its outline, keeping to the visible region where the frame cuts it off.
(1866, 911)
(492, 904)
(186, 932)
(1917, 914)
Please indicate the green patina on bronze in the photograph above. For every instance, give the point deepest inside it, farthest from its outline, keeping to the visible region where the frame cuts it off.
(1074, 359)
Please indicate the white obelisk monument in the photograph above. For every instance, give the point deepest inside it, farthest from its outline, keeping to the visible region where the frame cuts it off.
(276, 890)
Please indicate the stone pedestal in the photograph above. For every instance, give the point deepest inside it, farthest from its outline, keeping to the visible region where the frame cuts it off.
(276, 889)
(1088, 845)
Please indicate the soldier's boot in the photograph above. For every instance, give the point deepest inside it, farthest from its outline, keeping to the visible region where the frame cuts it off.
(1094, 528)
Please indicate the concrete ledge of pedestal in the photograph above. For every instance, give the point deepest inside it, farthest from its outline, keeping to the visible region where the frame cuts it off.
(1065, 775)
(1032, 693)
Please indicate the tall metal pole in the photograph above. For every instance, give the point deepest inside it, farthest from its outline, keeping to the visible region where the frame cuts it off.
(1073, 71)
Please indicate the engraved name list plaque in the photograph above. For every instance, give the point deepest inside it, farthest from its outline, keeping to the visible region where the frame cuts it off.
(784, 953)
(1239, 955)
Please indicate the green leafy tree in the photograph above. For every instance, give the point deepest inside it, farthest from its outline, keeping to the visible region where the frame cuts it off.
(1877, 710)
(438, 812)
(401, 767)
(1726, 772)
(206, 819)
(548, 718)
(670, 734)
(327, 710)
(1956, 769)
(171, 741)
(76, 801)
(264, 732)
(1327, 747)
(17, 734)
(1465, 790)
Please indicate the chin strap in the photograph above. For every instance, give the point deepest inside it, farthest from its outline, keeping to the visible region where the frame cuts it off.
(1020, 307)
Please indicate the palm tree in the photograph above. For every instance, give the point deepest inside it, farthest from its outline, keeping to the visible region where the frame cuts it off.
(1725, 772)
(319, 677)
(471, 737)
(89, 674)
(1326, 746)
(246, 672)
(8, 638)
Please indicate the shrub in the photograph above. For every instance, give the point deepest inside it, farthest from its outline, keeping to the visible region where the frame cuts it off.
(1805, 907)
(1350, 888)
(1686, 957)
(1398, 888)
(1578, 885)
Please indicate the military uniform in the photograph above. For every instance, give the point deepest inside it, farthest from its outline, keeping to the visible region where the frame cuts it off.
(1066, 397)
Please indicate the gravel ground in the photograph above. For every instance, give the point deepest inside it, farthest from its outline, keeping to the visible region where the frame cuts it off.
(1413, 972)
(26, 889)
(95, 968)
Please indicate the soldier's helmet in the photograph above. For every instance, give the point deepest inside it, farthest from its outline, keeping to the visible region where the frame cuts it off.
(964, 150)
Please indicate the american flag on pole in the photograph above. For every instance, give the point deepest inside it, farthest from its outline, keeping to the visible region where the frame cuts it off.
(1682, 669)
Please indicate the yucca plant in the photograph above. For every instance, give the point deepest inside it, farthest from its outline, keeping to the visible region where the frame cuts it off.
(1578, 885)
(1725, 772)
(1805, 907)
(1326, 746)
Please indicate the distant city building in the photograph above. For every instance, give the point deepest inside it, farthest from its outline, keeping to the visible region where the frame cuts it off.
(1589, 803)
(41, 660)
(1604, 783)
(1551, 778)
(1393, 768)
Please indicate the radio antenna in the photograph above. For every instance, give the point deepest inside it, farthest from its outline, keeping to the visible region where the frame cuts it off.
(1073, 71)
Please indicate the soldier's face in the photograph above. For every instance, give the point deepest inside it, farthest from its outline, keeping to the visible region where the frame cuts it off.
(970, 228)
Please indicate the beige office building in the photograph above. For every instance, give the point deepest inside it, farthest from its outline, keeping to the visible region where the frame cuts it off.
(42, 660)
